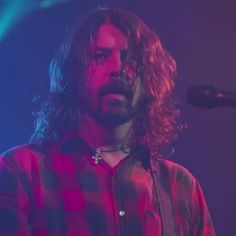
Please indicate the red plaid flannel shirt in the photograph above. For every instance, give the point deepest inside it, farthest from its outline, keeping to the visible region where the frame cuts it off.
(57, 189)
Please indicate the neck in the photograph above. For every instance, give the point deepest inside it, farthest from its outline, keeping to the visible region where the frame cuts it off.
(98, 136)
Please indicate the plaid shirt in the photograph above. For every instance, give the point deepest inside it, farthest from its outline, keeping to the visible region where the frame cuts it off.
(58, 189)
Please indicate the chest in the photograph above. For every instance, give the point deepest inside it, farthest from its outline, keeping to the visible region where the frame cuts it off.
(83, 196)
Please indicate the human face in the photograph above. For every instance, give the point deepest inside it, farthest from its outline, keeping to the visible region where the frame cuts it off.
(112, 84)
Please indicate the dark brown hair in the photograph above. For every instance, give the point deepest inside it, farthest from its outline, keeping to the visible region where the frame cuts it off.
(155, 124)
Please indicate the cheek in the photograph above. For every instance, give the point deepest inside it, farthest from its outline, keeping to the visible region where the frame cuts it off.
(95, 76)
(94, 81)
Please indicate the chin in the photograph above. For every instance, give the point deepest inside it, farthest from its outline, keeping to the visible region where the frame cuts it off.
(113, 119)
(114, 110)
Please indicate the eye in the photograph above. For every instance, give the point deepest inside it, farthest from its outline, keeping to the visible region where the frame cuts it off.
(99, 56)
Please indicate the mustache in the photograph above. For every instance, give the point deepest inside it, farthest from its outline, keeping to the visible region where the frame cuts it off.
(117, 86)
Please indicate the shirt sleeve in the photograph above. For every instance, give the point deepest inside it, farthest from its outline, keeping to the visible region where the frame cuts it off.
(14, 198)
(201, 224)
(190, 207)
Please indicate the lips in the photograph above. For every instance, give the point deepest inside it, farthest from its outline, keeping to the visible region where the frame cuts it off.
(116, 88)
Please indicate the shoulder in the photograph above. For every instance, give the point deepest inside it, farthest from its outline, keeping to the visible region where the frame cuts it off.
(26, 155)
(187, 197)
(38, 148)
(175, 173)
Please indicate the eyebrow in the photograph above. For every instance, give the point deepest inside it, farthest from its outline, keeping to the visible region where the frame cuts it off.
(107, 49)
(102, 49)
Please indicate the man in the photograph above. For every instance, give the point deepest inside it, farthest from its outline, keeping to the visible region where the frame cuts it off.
(94, 167)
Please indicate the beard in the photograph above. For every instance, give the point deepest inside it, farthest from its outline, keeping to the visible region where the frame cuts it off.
(113, 110)
(114, 104)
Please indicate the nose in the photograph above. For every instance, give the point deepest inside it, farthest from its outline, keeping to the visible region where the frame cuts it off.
(116, 61)
(116, 65)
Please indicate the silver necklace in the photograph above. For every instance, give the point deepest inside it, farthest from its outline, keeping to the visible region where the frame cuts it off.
(97, 156)
(98, 153)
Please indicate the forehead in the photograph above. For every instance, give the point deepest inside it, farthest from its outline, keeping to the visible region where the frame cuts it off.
(109, 36)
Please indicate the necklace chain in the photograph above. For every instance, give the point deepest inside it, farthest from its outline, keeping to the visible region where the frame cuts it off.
(113, 150)
(97, 153)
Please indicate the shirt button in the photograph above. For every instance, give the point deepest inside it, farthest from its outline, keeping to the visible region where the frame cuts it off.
(121, 213)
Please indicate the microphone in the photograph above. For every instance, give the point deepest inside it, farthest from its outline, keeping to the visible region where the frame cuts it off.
(206, 96)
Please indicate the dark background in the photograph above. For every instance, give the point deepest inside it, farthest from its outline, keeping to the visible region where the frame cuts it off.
(201, 35)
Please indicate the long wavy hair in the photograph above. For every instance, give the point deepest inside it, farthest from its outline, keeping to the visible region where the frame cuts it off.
(155, 125)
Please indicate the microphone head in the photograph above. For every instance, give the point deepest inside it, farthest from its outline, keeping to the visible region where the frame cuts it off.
(205, 96)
